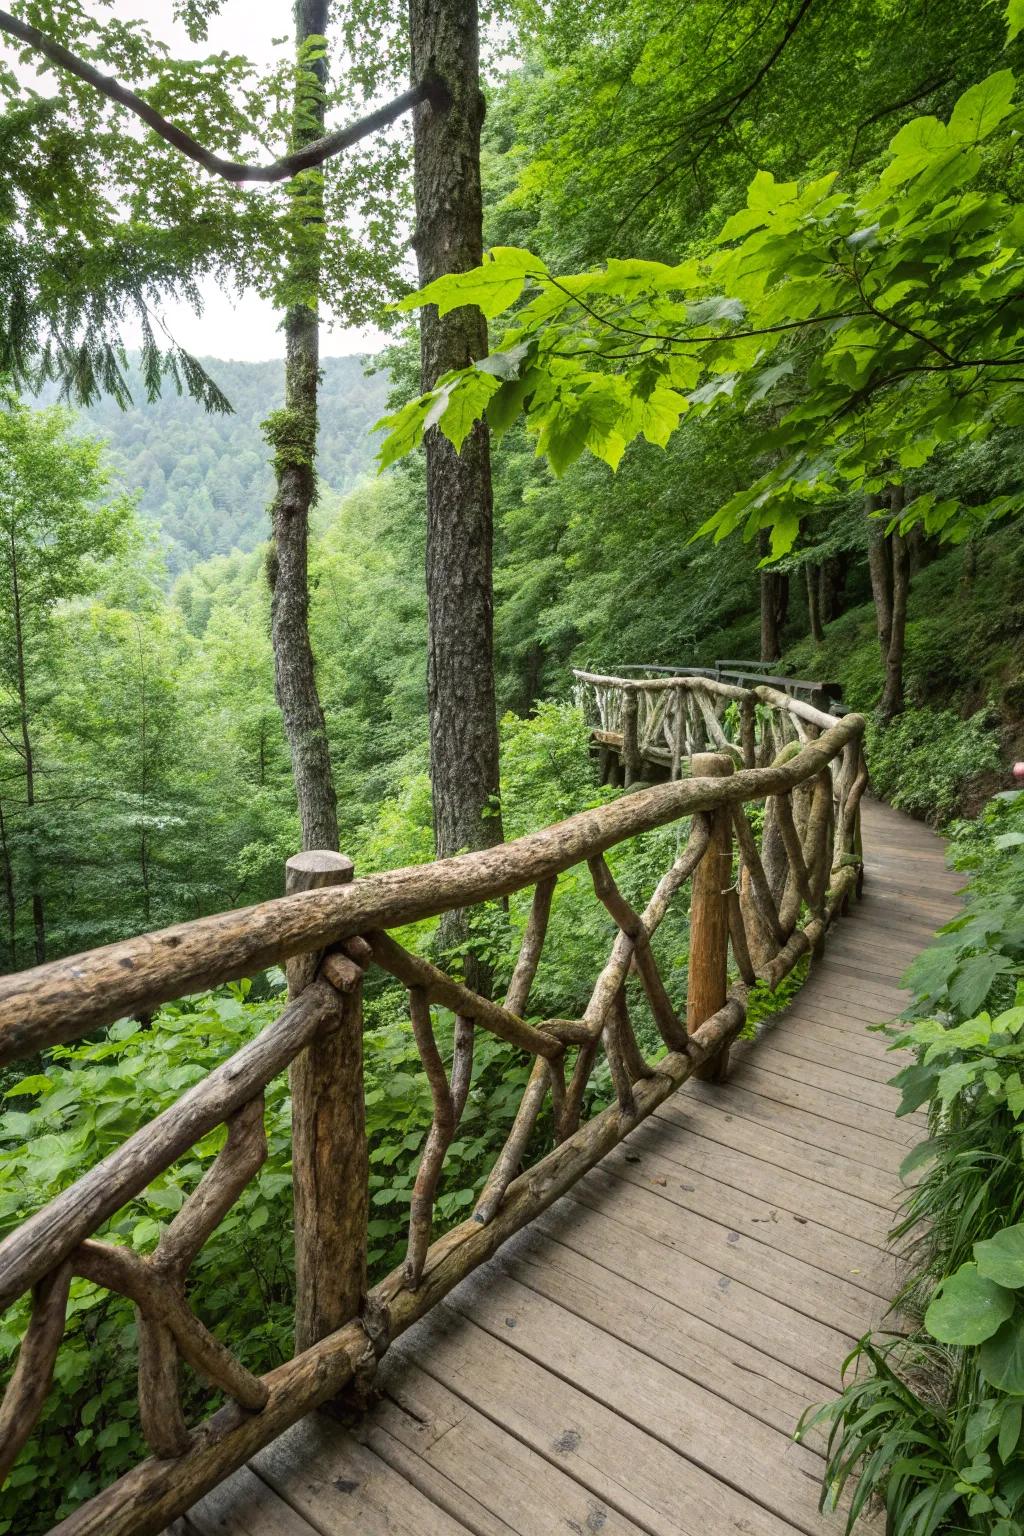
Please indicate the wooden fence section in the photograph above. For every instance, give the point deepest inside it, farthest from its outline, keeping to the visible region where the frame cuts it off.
(766, 899)
(660, 719)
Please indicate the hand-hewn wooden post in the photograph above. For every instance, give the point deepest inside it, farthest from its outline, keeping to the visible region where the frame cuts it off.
(748, 732)
(678, 734)
(709, 918)
(630, 736)
(329, 1156)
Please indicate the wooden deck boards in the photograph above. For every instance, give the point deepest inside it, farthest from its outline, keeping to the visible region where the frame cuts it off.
(636, 1360)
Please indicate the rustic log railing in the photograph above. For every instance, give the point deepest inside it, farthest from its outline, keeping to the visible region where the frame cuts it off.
(744, 674)
(768, 900)
(660, 718)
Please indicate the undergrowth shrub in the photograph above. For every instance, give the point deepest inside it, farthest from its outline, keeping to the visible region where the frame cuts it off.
(931, 1413)
(925, 758)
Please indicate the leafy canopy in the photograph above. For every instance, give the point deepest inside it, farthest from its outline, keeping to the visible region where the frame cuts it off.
(872, 324)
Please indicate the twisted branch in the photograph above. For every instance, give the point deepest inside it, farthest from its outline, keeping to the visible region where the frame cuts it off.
(431, 89)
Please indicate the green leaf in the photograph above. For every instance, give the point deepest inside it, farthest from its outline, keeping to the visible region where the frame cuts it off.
(928, 975)
(963, 1037)
(492, 287)
(658, 416)
(967, 1308)
(1001, 1358)
(923, 1153)
(1001, 1258)
(36, 1083)
(973, 980)
(563, 438)
(767, 195)
(915, 147)
(1014, 19)
(982, 108)
(406, 430)
(504, 407)
(1009, 1430)
(466, 403)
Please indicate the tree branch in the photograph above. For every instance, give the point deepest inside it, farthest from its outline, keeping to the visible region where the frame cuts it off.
(430, 89)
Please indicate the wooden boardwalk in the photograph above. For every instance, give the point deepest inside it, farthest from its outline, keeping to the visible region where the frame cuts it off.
(635, 1362)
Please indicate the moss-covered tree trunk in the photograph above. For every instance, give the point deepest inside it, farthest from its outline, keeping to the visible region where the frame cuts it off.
(293, 435)
(449, 238)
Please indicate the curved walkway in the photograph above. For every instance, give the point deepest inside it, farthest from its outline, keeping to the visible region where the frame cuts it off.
(636, 1361)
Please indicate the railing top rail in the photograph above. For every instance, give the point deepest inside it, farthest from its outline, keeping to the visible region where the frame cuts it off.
(763, 690)
(68, 998)
(737, 671)
(656, 684)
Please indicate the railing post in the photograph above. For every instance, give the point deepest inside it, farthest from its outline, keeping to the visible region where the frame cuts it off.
(709, 918)
(329, 1155)
(748, 732)
(630, 736)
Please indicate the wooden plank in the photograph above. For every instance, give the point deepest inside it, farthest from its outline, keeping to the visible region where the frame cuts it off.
(744, 1373)
(918, 911)
(862, 1053)
(771, 1325)
(716, 1437)
(870, 1035)
(764, 1180)
(343, 1489)
(878, 1187)
(867, 973)
(883, 990)
(853, 1008)
(733, 1251)
(915, 892)
(874, 1152)
(797, 1093)
(403, 1459)
(243, 1505)
(849, 1258)
(636, 1473)
(827, 1050)
(886, 955)
(474, 1468)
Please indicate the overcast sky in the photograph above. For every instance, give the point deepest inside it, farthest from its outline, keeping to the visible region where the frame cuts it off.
(247, 330)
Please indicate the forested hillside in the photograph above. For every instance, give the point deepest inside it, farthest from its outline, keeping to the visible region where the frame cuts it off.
(715, 353)
(204, 477)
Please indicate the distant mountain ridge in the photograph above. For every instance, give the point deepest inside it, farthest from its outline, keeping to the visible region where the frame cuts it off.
(206, 479)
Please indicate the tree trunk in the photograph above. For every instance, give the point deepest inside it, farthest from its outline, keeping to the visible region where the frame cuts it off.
(7, 878)
(293, 435)
(831, 584)
(813, 574)
(774, 603)
(449, 238)
(892, 691)
(880, 570)
(535, 659)
(143, 778)
(28, 753)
